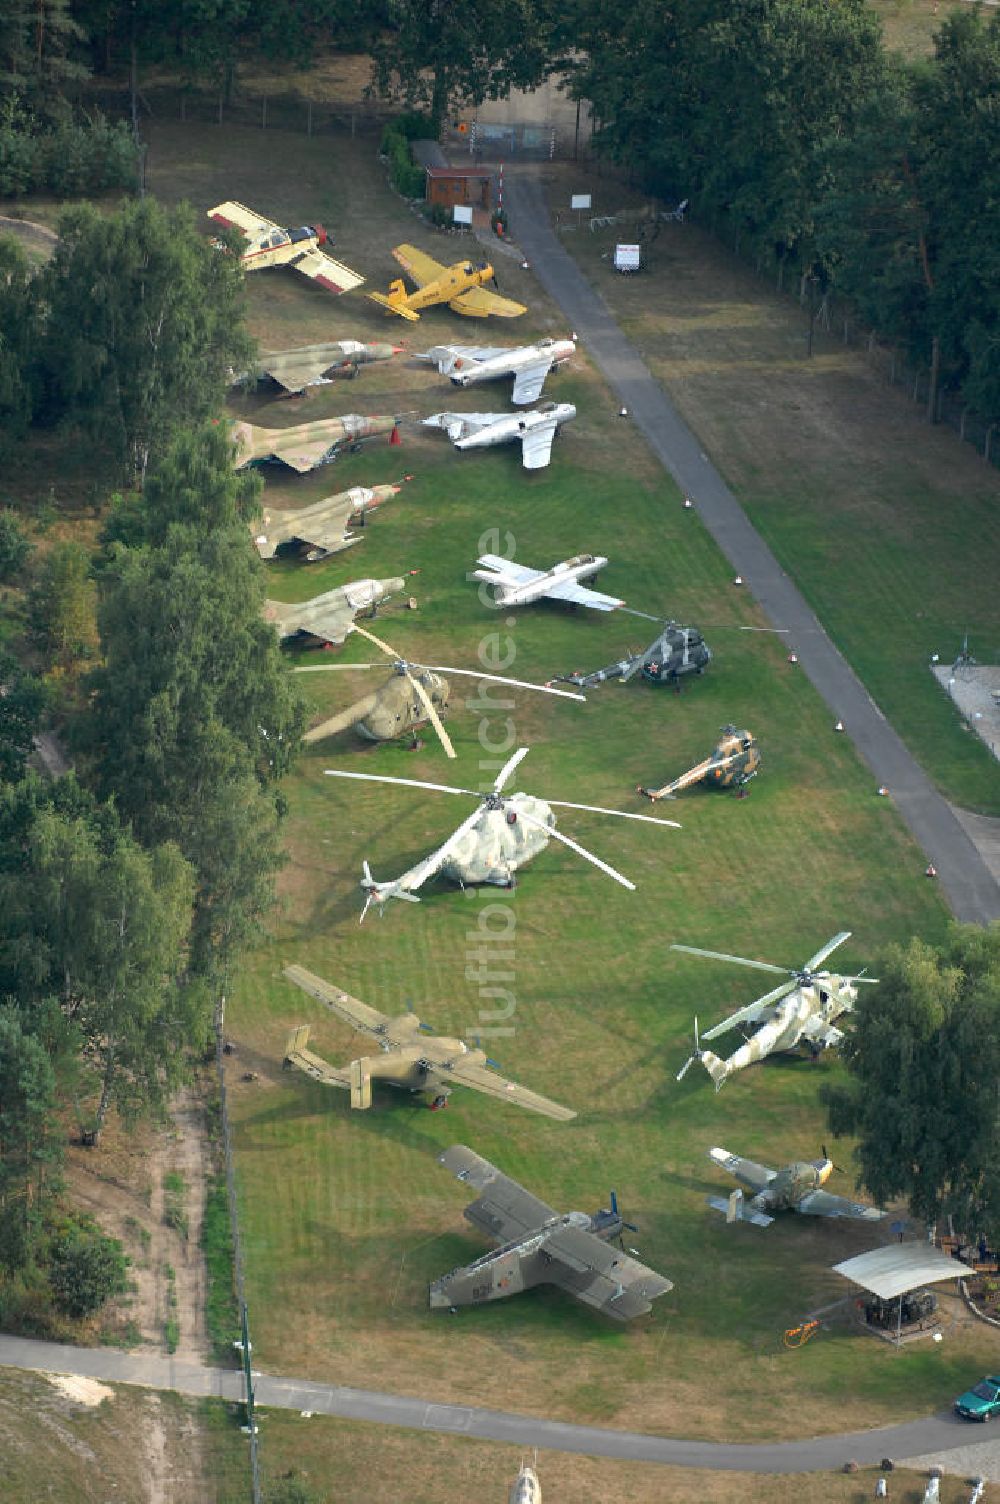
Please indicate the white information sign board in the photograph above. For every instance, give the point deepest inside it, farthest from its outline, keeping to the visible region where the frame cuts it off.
(627, 258)
(580, 201)
(462, 214)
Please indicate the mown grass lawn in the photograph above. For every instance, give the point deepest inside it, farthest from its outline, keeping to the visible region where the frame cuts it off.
(346, 1216)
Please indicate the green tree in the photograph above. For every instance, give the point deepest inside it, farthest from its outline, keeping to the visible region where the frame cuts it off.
(30, 1145)
(144, 321)
(62, 604)
(86, 1268)
(920, 1091)
(21, 709)
(439, 55)
(19, 336)
(15, 549)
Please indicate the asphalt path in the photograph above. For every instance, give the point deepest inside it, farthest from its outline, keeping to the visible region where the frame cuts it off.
(971, 889)
(937, 1434)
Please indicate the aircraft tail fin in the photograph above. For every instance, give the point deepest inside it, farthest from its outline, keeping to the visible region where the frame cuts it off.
(736, 1210)
(298, 1038)
(361, 1084)
(396, 301)
(717, 1069)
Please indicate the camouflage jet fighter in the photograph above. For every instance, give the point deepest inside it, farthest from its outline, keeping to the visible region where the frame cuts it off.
(410, 698)
(460, 286)
(503, 832)
(325, 527)
(529, 365)
(800, 1011)
(518, 585)
(538, 1246)
(796, 1188)
(329, 617)
(734, 761)
(316, 365)
(412, 1056)
(535, 430)
(306, 446)
(268, 244)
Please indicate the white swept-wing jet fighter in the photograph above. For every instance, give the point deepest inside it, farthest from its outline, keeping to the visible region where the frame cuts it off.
(535, 430)
(466, 365)
(518, 585)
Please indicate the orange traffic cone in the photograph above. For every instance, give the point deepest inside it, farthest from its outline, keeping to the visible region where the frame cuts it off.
(394, 436)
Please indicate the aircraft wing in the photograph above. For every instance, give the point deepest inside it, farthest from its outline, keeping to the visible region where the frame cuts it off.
(311, 1064)
(480, 303)
(536, 444)
(746, 1171)
(419, 267)
(505, 1210)
(493, 1085)
(359, 1015)
(334, 623)
(295, 369)
(324, 271)
(513, 574)
(529, 381)
(232, 215)
(331, 533)
(571, 590)
(602, 1275)
(823, 1204)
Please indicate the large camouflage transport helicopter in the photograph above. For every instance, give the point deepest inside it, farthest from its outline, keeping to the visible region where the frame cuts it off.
(797, 1187)
(467, 365)
(412, 696)
(295, 371)
(535, 430)
(540, 1246)
(800, 1011)
(734, 760)
(325, 527)
(306, 446)
(269, 244)
(503, 832)
(412, 1057)
(460, 286)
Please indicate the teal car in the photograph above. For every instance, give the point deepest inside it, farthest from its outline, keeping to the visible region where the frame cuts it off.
(982, 1401)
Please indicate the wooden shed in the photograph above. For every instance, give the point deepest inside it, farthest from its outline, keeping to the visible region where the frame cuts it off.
(460, 185)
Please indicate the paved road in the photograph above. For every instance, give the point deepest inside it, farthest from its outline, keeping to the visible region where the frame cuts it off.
(971, 889)
(937, 1434)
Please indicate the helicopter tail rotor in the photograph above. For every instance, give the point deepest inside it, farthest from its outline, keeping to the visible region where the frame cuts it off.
(376, 892)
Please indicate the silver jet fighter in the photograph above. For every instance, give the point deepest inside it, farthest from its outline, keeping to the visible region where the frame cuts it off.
(330, 616)
(538, 1246)
(325, 526)
(800, 1011)
(518, 585)
(317, 365)
(526, 1488)
(535, 430)
(466, 365)
(794, 1188)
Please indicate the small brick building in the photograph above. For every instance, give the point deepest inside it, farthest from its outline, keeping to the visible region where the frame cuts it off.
(460, 185)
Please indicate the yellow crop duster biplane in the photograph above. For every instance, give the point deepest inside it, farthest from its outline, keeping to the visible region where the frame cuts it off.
(270, 244)
(460, 286)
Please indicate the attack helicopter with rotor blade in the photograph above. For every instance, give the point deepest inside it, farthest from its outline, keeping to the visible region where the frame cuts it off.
(412, 696)
(677, 651)
(502, 833)
(801, 1010)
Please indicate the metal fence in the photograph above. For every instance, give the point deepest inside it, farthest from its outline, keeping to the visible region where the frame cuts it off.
(271, 111)
(234, 1223)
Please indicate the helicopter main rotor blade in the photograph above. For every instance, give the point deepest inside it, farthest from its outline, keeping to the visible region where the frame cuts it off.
(508, 768)
(623, 814)
(752, 1010)
(718, 955)
(468, 673)
(826, 950)
(432, 714)
(634, 667)
(580, 850)
(412, 783)
(332, 668)
(376, 640)
(866, 981)
(348, 717)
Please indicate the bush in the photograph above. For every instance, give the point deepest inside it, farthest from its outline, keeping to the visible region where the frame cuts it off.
(14, 546)
(407, 178)
(19, 162)
(439, 215)
(86, 1268)
(74, 158)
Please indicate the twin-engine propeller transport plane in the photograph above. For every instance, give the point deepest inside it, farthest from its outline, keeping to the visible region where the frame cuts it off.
(316, 365)
(269, 244)
(518, 585)
(412, 1056)
(306, 446)
(535, 430)
(800, 1011)
(794, 1188)
(503, 832)
(467, 365)
(538, 1246)
(325, 527)
(460, 286)
(330, 616)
